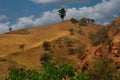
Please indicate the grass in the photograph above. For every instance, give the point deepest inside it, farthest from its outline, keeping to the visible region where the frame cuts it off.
(15, 54)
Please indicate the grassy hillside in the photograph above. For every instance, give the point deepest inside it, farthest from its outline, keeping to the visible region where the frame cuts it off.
(32, 38)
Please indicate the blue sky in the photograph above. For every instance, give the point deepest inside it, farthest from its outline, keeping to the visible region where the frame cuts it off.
(33, 13)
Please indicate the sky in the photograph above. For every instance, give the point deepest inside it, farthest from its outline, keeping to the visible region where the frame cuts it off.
(18, 14)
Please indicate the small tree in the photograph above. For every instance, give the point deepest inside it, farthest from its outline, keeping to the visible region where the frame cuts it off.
(45, 57)
(46, 45)
(73, 20)
(22, 46)
(62, 13)
(10, 29)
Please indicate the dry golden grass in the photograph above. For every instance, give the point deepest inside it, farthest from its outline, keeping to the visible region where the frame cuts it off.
(34, 37)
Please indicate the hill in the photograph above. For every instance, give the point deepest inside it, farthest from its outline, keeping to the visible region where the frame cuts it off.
(33, 38)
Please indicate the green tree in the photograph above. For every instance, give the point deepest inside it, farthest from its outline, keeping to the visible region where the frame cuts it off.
(73, 20)
(10, 29)
(62, 13)
(46, 45)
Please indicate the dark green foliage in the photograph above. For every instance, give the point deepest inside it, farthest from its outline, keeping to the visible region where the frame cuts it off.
(17, 74)
(46, 45)
(10, 29)
(73, 20)
(71, 30)
(45, 57)
(62, 13)
(81, 76)
(49, 71)
(83, 21)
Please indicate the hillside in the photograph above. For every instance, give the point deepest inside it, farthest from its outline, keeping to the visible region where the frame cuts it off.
(32, 38)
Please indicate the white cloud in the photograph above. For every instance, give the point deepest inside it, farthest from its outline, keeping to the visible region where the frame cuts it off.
(102, 12)
(56, 1)
(3, 17)
(4, 27)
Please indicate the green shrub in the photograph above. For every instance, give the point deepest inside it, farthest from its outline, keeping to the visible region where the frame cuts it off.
(73, 20)
(45, 57)
(80, 31)
(99, 37)
(46, 45)
(92, 36)
(71, 30)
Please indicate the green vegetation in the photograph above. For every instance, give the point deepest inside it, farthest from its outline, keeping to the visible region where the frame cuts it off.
(80, 31)
(104, 69)
(81, 49)
(73, 20)
(62, 13)
(99, 37)
(71, 30)
(49, 71)
(45, 57)
(83, 21)
(46, 45)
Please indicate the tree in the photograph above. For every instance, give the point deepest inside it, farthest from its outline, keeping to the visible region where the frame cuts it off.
(10, 29)
(62, 13)
(46, 45)
(73, 20)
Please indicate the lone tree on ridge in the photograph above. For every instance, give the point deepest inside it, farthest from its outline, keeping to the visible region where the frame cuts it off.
(62, 13)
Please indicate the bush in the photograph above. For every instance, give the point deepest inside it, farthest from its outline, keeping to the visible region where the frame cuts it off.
(103, 69)
(73, 20)
(92, 36)
(81, 32)
(99, 37)
(71, 30)
(81, 49)
(71, 51)
(45, 57)
(46, 45)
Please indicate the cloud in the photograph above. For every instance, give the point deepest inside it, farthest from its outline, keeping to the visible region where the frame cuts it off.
(56, 1)
(3, 17)
(46, 18)
(103, 12)
(4, 27)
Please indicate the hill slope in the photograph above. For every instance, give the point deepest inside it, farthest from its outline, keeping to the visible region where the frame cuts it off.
(32, 38)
